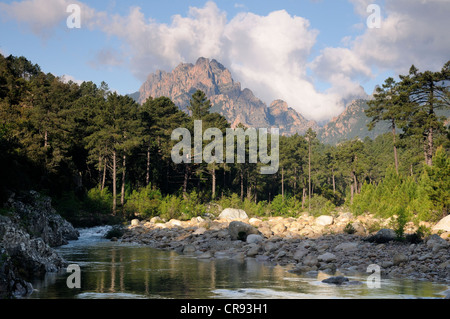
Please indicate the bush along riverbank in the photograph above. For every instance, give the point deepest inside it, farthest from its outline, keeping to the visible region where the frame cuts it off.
(29, 229)
(342, 243)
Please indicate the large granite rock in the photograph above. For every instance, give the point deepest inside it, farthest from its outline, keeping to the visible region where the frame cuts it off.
(39, 219)
(29, 227)
(240, 231)
(232, 213)
(443, 225)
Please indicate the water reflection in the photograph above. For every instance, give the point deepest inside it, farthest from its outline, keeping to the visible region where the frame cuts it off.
(115, 270)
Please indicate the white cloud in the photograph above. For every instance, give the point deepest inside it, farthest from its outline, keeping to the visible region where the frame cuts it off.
(268, 54)
(67, 78)
(39, 15)
(165, 46)
(412, 32)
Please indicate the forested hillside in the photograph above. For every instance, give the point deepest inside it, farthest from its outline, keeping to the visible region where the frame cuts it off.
(100, 154)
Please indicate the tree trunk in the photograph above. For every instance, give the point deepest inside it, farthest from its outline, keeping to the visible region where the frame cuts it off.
(100, 160)
(114, 183)
(355, 182)
(186, 179)
(282, 183)
(147, 175)
(242, 185)
(224, 179)
(213, 173)
(303, 198)
(334, 182)
(395, 147)
(295, 181)
(351, 193)
(309, 177)
(104, 174)
(249, 187)
(429, 148)
(122, 190)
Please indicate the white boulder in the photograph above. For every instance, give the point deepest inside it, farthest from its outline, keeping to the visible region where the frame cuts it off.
(232, 213)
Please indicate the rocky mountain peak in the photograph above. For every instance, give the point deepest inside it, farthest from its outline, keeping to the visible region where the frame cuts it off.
(241, 106)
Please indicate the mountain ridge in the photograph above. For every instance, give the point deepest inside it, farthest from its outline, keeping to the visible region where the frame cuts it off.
(239, 105)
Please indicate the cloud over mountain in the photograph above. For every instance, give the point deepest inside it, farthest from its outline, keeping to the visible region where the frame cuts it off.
(272, 54)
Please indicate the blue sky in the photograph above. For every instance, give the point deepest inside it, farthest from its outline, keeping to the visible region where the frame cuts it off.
(311, 53)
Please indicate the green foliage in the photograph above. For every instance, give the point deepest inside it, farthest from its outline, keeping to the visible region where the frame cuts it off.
(320, 206)
(170, 207)
(439, 184)
(349, 229)
(174, 207)
(98, 201)
(401, 218)
(65, 139)
(402, 197)
(279, 207)
(144, 202)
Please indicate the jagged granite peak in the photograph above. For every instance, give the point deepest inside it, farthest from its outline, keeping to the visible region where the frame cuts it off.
(288, 120)
(241, 106)
(210, 76)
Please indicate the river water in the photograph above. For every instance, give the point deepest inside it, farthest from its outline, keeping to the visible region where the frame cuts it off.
(113, 270)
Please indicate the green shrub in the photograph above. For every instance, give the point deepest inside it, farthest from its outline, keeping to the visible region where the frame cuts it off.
(349, 229)
(279, 206)
(144, 202)
(320, 206)
(398, 194)
(192, 207)
(98, 201)
(170, 207)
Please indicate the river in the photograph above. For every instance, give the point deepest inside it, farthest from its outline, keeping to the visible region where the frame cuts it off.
(114, 270)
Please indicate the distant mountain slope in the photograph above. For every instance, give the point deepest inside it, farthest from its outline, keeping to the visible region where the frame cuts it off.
(350, 124)
(242, 106)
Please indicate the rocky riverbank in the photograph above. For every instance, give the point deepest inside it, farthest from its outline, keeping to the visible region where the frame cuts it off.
(342, 244)
(29, 228)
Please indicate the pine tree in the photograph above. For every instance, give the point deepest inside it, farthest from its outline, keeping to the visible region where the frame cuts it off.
(310, 137)
(199, 106)
(386, 106)
(428, 92)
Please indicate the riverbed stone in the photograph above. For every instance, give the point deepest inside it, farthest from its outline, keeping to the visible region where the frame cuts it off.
(399, 258)
(337, 280)
(383, 236)
(199, 231)
(300, 253)
(443, 224)
(324, 220)
(233, 214)
(310, 261)
(135, 222)
(254, 239)
(254, 250)
(240, 230)
(347, 247)
(327, 257)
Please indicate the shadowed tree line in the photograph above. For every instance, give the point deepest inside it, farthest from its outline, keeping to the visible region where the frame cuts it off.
(98, 153)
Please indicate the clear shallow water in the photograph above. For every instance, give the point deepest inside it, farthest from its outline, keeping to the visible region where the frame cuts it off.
(112, 270)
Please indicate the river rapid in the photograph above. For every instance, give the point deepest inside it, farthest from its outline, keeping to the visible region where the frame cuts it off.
(116, 270)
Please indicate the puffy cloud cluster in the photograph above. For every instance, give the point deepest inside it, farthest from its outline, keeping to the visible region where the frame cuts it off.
(268, 54)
